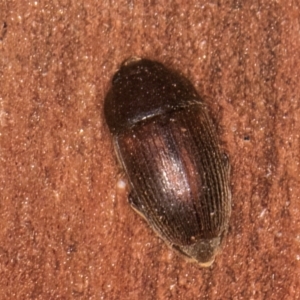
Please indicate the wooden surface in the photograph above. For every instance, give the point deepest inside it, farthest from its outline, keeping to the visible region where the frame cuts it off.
(67, 232)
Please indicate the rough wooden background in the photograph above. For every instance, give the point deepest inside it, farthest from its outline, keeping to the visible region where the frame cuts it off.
(66, 231)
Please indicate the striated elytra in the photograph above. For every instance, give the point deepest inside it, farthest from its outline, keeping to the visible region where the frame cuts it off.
(168, 148)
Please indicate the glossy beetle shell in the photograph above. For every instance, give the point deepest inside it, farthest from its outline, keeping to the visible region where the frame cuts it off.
(168, 148)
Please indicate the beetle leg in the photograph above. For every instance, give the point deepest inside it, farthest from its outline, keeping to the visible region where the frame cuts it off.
(225, 159)
(135, 202)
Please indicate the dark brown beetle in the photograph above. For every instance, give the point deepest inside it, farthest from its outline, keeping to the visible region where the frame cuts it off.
(168, 148)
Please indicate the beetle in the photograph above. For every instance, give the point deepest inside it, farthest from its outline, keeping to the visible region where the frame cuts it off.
(168, 147)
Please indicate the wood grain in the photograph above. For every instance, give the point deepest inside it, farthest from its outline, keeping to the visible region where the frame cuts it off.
(67, 232)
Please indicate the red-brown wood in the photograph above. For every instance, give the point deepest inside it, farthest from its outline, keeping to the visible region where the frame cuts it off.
(67, 232)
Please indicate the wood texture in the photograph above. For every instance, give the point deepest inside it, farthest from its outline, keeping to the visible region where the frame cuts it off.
(67, 232)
